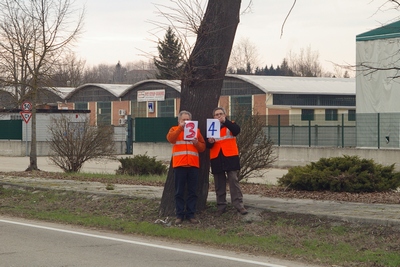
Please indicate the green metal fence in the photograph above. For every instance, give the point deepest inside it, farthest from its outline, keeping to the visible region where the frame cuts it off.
(152, 129)
(10, 129)
(379, 130)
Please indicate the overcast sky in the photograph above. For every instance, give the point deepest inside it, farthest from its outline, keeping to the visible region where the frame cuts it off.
(120, 30)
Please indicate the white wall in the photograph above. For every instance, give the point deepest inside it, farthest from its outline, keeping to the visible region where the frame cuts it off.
(287, 156)
(377, 91)
(290, 156)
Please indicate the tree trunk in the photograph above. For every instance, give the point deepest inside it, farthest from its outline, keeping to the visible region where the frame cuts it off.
(167, 206)
(33, 155)
(202, 82)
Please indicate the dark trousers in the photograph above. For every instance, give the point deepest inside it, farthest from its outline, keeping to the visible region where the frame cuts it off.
(186, 177)
(234, 188)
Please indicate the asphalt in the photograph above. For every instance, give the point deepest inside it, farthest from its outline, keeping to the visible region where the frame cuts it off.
(379, 214)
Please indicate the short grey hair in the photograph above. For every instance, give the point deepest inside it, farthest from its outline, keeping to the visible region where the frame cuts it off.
(219, 108)
(184, 112)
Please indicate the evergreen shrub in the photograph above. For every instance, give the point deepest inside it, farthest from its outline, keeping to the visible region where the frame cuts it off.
(141, 165)
(342, 174)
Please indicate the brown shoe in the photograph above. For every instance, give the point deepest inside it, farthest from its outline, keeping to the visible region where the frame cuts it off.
(220, 212)
(178, 221)
(193, 221)
(243, 211)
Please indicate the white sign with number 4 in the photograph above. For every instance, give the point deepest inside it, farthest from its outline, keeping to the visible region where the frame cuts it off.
(213, 128)
(190, 130)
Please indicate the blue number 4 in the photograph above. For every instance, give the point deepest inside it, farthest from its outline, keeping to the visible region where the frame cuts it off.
(212, 128)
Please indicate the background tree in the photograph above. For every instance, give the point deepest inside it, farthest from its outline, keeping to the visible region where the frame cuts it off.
(170, 63)
(128, 73)
(285, 70)
(202, 83)
(69, 72)
(75, 142)
(243, 57)
(119, 75)
(33, 36)
(101, 73)
(306, 63)
(281, 70)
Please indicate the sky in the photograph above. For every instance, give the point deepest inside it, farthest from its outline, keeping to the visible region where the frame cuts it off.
(122, 30)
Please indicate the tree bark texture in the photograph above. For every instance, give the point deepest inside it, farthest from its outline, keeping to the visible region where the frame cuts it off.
(202, 83)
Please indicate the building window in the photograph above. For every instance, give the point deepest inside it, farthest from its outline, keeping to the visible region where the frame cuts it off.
(307, 114)
(81, 105)
(331, 114)
(104, 113)
(314, 100)
(166, 108)
(239, 103)
(352, 115)
(139, 109)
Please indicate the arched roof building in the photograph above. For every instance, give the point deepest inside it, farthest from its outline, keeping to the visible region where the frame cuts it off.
(96, 92)
(265, 95)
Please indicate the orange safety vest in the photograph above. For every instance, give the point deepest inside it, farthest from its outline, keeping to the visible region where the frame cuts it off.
(227, 142)
(184, 153)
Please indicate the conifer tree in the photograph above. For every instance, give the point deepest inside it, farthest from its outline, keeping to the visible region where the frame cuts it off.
(170, 60)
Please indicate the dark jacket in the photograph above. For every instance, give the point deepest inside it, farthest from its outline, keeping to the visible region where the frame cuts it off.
(222, 163)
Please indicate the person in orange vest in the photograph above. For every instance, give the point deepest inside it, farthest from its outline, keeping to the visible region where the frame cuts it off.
(225, 163)
(186, 164)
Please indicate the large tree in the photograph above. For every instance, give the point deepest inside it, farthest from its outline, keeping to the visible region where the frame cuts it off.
(34, 34)
(170, 59)
(202, 83)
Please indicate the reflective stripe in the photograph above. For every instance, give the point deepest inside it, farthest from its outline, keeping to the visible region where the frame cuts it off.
(225, 137)
(185, 153)
(183, 143)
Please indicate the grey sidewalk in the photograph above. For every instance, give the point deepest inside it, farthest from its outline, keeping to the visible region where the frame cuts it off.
(382, 214)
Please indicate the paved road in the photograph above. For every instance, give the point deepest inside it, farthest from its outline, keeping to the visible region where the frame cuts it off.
(30, 244)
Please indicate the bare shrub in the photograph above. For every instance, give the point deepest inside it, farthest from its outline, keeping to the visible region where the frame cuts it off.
(75, 142)
(256, 149)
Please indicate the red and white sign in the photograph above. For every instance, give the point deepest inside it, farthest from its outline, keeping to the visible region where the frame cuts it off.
(151, 95)
(190, 130)
(26, 106)
(26, 115)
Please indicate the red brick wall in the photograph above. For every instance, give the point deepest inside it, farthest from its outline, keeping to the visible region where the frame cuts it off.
(92, 108)
(273, 120)
(116, 106)
(259, 104)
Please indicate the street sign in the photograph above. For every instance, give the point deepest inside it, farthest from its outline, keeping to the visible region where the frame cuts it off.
(26, 116)
(26, 106)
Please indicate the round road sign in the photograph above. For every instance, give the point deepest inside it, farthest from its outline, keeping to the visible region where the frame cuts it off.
(26, 106)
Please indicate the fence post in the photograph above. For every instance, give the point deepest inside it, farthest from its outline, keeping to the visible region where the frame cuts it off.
(342, 130)
(129, 135)
(279, 130)
(309, 133)
(379, 132)
(293, 133)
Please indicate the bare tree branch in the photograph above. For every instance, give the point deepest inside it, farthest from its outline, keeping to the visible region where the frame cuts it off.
(287, 16)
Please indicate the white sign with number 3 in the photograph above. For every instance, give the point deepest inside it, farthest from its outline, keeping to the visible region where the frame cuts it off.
(213, 128)
(190, 130)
